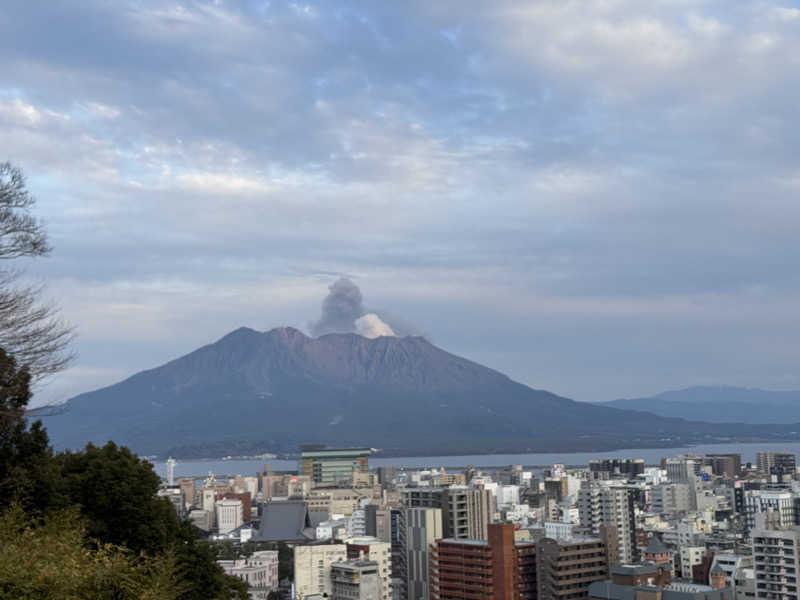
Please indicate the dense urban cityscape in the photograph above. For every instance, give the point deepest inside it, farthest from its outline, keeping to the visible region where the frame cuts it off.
(694, 527)
(420, 300)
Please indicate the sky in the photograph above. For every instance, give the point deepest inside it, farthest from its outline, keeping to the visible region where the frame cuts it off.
(598, 198)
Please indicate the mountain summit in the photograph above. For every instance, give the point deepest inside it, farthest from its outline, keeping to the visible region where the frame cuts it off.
(253, 392)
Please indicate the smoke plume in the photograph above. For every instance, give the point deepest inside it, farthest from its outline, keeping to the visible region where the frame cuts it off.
(371, 326)
(343, 311)
(340, 309)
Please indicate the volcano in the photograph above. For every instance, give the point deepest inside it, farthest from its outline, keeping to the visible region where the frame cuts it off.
(253, 392)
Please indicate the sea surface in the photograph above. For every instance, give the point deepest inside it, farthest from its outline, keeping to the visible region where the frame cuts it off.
(651, 456)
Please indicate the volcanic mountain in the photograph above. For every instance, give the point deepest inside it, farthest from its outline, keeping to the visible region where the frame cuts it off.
(253, 392)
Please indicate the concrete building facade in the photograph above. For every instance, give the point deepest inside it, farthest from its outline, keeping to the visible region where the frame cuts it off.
(312, 567)
(423, 528)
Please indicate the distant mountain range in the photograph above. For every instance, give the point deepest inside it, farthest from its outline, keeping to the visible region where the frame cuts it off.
(253, 392)
(720, 404)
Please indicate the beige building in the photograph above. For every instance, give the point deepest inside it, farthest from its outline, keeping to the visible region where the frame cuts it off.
(337, 501)
(312, 568)
(372, 549)
(466, 512)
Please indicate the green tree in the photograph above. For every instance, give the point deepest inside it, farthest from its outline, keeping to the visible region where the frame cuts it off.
(27, 470)
(198, 566)
(116, 492)
(52, 558)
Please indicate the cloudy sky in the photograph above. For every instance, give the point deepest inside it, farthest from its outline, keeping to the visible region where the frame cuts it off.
(597, 198)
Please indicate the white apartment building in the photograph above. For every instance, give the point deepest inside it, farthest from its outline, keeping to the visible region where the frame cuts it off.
(776, 560)
(229, 514)
(602, 504)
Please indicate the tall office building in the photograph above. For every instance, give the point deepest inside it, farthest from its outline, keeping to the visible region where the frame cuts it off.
(333, 466)
(776, 557)
(423, 528)
(609, 506)
(491, 569)
(467, 512)
(776, 463)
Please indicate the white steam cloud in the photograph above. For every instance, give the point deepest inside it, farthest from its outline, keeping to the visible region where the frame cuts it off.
(343, 311)
(371, 326)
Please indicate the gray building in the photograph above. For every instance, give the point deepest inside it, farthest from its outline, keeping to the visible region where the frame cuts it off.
(601, 505)
(670, 498)
(355, 580)
(423, 528)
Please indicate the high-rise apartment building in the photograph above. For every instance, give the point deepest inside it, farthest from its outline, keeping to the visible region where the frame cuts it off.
(566, 568)
(312, 567)
(423, 528)
(423, 497)
(333, 466)
(601, 505)
(467, 512)
(776, 559)
(776, 463)
(491, 569)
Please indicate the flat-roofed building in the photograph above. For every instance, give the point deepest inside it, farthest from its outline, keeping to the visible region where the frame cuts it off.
(312, 567)
(355, 580)
(333, 466)
(493, 569)
(566, 568)
(423, 528)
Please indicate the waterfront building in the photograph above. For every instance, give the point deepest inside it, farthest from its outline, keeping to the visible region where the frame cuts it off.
(333, 466)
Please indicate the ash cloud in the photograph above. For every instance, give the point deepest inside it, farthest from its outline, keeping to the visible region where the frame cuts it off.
(341, 308)
(343, 311)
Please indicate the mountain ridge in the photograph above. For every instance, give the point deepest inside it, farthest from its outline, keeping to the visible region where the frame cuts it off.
(251, 392)
(741, 404)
